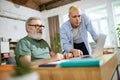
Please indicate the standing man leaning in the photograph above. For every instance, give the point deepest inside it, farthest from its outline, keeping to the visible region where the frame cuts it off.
(32, 48)
(73, 33)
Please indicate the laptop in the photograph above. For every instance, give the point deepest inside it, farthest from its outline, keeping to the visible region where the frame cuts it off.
(98, 51)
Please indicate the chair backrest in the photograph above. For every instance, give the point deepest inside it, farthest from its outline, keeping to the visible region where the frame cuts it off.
(11, 60)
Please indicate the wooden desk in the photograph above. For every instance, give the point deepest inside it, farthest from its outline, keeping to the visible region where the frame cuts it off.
(6, 71)
(105, 72)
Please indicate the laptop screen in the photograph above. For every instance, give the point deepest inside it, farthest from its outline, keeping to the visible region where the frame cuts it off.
(98, 51)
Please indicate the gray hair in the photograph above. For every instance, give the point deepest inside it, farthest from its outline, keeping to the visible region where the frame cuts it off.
(30, 19)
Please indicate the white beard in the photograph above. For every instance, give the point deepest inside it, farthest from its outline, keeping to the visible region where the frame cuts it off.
(36, 35)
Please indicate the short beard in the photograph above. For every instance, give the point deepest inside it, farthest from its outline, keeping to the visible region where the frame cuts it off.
(36, 35)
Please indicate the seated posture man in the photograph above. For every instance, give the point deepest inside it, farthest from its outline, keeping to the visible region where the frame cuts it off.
(32, 48)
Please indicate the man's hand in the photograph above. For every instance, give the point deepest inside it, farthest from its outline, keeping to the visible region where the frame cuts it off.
(59, 56)
(68, 55)
(76, 52)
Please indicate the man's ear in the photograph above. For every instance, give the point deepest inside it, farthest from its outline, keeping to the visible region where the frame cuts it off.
(27, 28)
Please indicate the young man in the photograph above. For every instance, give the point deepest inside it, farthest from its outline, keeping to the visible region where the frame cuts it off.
(73, 33)
(32, 48)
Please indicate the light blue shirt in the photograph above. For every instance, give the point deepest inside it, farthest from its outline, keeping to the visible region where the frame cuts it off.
(66, 33)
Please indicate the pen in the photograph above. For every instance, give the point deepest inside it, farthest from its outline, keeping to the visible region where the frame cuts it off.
(63, 52)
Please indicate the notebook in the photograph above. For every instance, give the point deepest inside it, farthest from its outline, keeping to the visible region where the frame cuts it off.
(86, 62)
(98, 51)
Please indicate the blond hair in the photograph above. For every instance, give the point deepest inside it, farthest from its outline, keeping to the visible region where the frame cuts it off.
(73, 8)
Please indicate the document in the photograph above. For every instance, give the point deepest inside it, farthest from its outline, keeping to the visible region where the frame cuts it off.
(53, 64)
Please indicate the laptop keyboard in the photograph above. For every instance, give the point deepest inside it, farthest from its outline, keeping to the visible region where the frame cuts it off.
(86, 56)
(81, 57)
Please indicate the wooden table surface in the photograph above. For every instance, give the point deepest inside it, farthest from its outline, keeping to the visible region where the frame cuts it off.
(104, 72)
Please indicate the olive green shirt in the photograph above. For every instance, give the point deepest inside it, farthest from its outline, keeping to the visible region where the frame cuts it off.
(37, 49)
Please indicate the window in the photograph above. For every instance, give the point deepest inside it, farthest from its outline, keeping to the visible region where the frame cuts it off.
(99, 19)
(116, 8)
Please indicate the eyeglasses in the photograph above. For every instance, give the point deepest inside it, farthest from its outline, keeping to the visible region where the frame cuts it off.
(36, 25)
